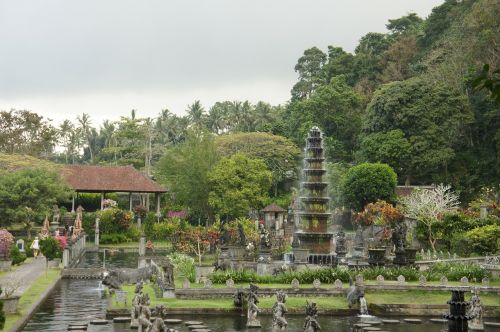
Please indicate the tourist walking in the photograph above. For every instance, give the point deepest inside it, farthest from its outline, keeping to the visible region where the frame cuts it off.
(35, 245)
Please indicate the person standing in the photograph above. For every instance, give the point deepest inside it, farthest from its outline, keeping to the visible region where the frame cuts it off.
(35, 245)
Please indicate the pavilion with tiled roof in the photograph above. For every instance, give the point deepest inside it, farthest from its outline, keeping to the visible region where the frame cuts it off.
(274, 217)
(106, 179)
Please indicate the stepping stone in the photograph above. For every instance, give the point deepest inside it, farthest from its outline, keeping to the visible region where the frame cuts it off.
(77, 327)
(193, 322)
(373, 322)
(371, 328)
(390, 321)
(438, 320)
(492, 324)
(172, 321)
(122, 320)
(362, 325)
(99, 322)
(192, 327)
(413, 321)
(201, 330)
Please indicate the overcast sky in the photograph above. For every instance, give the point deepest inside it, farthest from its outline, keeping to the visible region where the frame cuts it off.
(60, 58)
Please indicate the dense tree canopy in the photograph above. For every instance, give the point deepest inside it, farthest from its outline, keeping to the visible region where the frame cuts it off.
(29, 194)
(367, 183)
(238, 185)
(279, 153)
(431, 116)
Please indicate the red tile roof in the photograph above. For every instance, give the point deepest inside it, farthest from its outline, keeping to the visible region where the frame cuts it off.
(90, 178)
(273, 208)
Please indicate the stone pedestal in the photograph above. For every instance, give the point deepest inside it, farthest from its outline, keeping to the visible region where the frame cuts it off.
(376, 257)
(411, 256)
(300, 255)
(96, 239)
(142, 245)
(5, 265)
(255, 323)
(169, 293)
(400, 258)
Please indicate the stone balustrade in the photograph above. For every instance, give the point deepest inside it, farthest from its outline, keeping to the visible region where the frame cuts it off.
(74, 251)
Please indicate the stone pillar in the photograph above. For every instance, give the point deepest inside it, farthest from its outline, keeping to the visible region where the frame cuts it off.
(142, 245)
(130, 201)
(157, 197)
(102, 201)
(73, 203)
(65, 258)
(483, 212)
(96, 241)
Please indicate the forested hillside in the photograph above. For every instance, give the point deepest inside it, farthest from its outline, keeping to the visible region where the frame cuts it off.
(404, 98)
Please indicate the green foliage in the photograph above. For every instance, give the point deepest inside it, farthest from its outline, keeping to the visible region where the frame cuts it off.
(431, 136)
(17, 256)
(113, 220)
(92, 202)
(50, 248)
(279, 153)
(29, 194)
(184, 266)
(483, 240)
(133, 233)
(184, 170)
(390, 148)
(166, 229)
(88, 222)
(237, 185)
(114, 238)
(367, 183)
(336, 109)
(25, 132)
(455, 271)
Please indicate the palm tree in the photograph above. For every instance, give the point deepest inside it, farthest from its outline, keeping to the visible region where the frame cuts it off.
(196, 114)
(85, 125)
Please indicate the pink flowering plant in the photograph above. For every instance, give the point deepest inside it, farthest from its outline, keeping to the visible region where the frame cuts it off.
(6, 241)
(63, 241)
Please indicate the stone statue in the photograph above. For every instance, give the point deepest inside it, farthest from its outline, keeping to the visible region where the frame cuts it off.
(354, 293)
(160, 311)
(111, 281)
(265, 242)
(399, 236)
(238, 297)
(79, 212)
(279, 311)
(56, 214)
(475, 311)
(242, 237)
(45, 232)
(136, 304)
(340, 248)
(144, 318)
(253, 310)
(224, 234)
(311, 323)
(168, 274)
(158, 325)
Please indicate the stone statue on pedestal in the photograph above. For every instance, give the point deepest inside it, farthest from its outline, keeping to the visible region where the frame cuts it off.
(475, 311)
(265, 241)
(279, 311)
(253, 310)
(311, 323)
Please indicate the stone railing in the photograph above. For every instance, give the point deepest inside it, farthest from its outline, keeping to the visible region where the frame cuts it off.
(74, 251)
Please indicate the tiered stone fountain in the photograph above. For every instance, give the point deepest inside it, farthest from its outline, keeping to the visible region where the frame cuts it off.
(457, 318)
(314, 212)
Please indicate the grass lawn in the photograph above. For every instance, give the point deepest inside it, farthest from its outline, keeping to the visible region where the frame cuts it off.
(337, 302)
(31, 295)
(135, 245)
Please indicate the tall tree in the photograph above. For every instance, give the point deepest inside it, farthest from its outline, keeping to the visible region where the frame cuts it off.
(184, 170)
(309, 69)
(238, 185)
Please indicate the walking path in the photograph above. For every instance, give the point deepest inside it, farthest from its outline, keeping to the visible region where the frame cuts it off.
(25, 274)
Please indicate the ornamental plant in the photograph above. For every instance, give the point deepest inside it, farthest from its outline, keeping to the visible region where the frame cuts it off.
(6, 241)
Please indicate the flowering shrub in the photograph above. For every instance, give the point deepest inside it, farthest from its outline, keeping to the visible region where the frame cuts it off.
(140, 211)
(109, 203)
(6, 241)
(177, 214)
(63, 241)
(379, 213)
(114, 221)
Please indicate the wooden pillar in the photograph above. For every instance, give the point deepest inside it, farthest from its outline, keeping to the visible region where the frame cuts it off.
(157, 196)
(130, 201)
(102, 200)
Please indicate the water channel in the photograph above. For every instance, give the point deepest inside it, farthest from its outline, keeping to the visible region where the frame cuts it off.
(80, 301)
